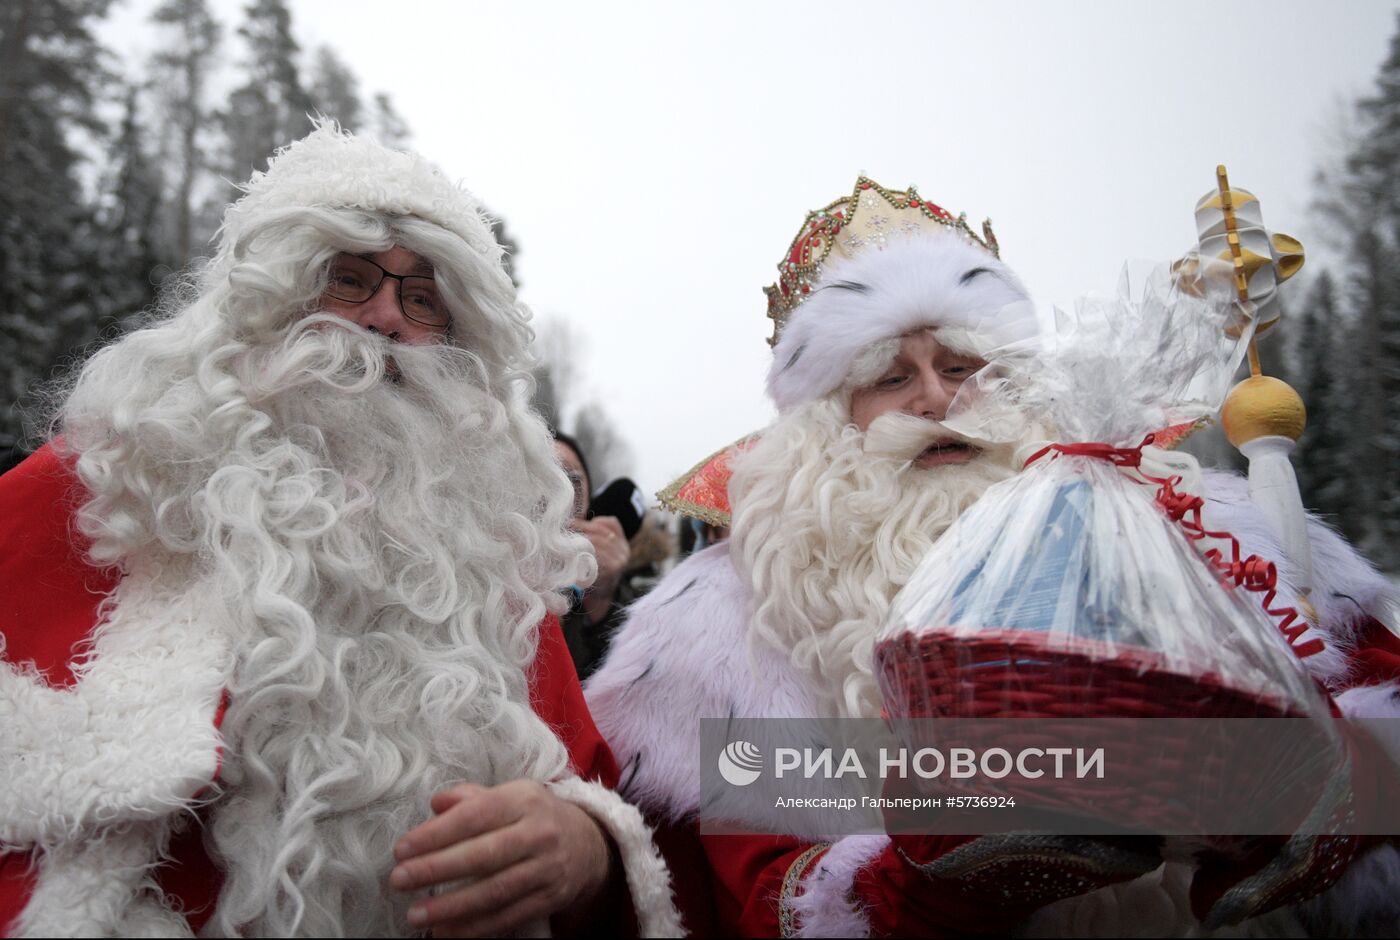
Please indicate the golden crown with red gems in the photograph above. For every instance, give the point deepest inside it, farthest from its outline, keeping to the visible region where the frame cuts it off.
(867, 218)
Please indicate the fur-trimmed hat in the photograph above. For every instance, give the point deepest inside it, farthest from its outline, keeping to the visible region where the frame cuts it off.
(331, 168)
(877, 264)
(971, 300)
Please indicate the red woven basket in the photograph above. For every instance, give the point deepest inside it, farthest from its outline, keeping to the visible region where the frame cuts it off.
(1015, 674)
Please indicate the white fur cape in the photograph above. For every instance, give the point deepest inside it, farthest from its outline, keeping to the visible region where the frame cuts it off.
(683, 655)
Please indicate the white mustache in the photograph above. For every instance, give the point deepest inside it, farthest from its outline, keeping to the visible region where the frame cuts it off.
(903, 437)
(327, 350)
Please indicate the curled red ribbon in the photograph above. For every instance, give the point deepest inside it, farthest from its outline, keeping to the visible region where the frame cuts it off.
(1255, 573)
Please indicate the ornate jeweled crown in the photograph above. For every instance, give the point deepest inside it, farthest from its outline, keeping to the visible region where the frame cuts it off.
(867, 218)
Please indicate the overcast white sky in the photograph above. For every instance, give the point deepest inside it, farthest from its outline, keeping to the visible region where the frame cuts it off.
(655, 159)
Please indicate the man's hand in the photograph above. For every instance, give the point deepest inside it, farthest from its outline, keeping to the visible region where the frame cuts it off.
(612, 551)
(523, 853)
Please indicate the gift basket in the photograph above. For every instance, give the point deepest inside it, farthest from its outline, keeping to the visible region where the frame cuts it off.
(1087, 586)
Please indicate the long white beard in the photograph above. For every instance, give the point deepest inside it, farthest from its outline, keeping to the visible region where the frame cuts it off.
(381, 551)
(829, 524)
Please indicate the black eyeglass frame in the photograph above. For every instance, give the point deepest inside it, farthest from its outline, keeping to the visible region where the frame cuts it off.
(383, 275)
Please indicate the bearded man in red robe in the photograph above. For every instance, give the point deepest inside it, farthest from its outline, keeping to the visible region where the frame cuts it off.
(888, 304)
(280, 647)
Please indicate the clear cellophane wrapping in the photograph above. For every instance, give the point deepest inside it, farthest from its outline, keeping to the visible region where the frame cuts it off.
(1066, 591)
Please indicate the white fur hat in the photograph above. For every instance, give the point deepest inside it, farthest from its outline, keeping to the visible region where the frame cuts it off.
(335, 169)
(928, 278)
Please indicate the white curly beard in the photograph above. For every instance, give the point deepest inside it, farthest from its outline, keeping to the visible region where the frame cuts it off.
(381, 551)
(829, 523)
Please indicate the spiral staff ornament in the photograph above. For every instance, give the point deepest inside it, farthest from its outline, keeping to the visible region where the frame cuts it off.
(1262, 416)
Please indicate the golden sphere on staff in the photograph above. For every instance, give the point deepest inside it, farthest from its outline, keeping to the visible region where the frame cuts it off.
(1262, 406)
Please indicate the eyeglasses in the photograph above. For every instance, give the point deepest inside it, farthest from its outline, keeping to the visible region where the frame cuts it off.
(355, 280)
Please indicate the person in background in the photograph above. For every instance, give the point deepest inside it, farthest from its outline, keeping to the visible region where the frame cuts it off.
(596, 611)
(653, 549)
(697, 535)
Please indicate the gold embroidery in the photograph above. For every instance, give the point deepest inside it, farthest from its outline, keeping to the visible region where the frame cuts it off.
(702, 491)
(787, 921)
(851, 224)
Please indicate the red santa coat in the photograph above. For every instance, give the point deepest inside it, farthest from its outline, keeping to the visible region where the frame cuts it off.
(49, 604)
(683, 655)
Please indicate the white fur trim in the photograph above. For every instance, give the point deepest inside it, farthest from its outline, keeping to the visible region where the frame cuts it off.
(95, 889)
(1375, 708)
(331, 169)
(825, 907)
(133, 740)
(664, 673)
(648, 879)
(91, 775)
(914, 282)
(1371, 701)
(1346, 587)
(1365, 901)
(683, 656)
